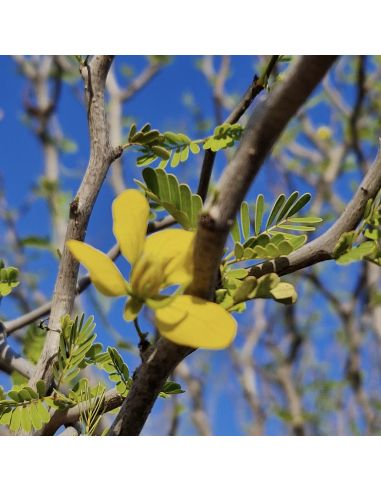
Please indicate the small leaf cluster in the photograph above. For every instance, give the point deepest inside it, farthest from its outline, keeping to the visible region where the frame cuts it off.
(165, 190)
(362, 243)
(8, 279)
(118, 372)
(279, 235)
(238, 287)
(90, 414)
(175, 148)
(224, 136)
(25, 409)
(76, 340)
(171, 388)
(111, 362)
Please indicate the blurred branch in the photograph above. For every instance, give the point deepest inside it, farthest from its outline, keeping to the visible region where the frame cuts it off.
(10, 360)
(195, 390)
(118, 96)
(353, 371)
(243, 363)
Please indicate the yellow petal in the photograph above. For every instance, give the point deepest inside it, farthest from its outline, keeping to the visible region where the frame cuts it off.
(131, 309)
(174, 249)
(130, 212)
(103, 272)
(196, 323)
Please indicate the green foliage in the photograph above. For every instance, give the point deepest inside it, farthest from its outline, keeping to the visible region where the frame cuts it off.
(351, 247)
(171, 388)
(90, 402)
(224, 136)
(76, 340)
(178, 199)
(117, 371)
(239, 287)
(174, 148)
(279, 235)
(25, 409)
(8, 279)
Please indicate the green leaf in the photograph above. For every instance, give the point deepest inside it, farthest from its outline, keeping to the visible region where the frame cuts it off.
(239, 273)
(296, 227)
(41, 388)
(76, 340)
(165, 190)
(344, 243)
(303, 200)
(161, 152)
(43, 413)
(172, 388)
(274, 211)
(26, 420)
(15, 422)
(35, 417)
(245, 220)
(288, 206)
(358, 253)
(235, 232)
(305, 220)
(259, 209)
(132, 131)
(284, 293)
(244, 290)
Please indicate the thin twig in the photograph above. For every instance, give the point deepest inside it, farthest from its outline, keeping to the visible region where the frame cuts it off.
(255, 88)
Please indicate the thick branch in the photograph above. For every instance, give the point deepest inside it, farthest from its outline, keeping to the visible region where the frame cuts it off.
(263, 130)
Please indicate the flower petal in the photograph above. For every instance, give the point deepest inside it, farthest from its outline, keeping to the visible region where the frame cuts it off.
(196, 323)
(174, 248)
(104, 274)
(130, 212)
(131, 309)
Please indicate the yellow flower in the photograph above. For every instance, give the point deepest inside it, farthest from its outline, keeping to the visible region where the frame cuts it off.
(158, 261)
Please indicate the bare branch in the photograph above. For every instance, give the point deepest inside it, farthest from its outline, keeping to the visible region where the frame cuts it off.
(255, 88)
(101, 156)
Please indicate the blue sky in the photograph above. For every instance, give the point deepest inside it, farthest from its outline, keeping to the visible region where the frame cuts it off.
(162, 104)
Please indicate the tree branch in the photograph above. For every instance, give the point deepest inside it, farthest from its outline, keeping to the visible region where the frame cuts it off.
(321, 248)
(82, 284)
(264, 129)
(101, 156)
(112, 400)
(255, 88)
(10, 360)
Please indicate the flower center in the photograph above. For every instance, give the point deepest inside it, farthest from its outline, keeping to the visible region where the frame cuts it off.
(147, 277)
